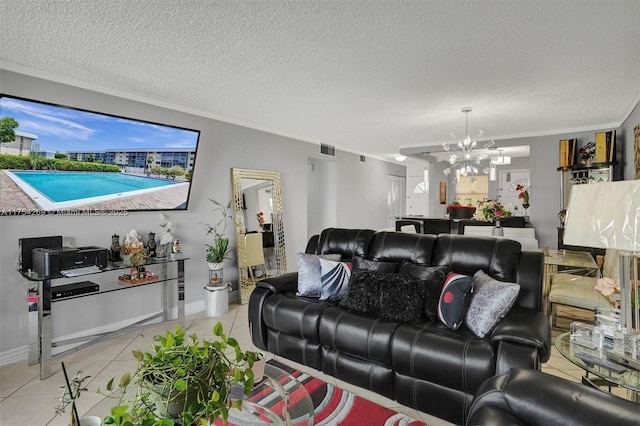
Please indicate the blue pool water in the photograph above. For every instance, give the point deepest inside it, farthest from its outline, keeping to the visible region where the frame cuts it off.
(67, 186)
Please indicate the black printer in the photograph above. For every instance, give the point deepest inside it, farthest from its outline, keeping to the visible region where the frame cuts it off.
(50, 262)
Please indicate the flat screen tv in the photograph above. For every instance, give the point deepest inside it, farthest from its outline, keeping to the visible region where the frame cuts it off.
(61, 160)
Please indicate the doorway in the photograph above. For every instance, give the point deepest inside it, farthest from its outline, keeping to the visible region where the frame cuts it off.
(396, 199)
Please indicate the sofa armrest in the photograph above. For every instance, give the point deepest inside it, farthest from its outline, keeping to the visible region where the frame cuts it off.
(281, 283)
(537, 398)
(527, 327)
(256, 325)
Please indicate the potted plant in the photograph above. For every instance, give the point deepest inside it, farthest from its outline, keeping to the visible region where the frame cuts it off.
(459, 211)
(218, 250)
(183, 380)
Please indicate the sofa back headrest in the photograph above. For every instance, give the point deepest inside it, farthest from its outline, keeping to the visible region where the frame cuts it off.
(497, 257)
(397, 246)
(347, 242)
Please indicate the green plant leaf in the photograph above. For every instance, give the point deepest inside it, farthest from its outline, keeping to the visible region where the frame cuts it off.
(138, 355)
(110, 384)
(125, 380)
(217, 330)
(119, 410)
(180, 384)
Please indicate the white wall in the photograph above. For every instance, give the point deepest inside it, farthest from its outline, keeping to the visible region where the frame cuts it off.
(362, 191)
(322, 196)
(222, 146)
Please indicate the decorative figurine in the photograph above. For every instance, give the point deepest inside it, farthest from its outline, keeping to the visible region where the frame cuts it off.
(151, 245)
(114, 251)
(176, 246)
(166, 239)
(134, 252)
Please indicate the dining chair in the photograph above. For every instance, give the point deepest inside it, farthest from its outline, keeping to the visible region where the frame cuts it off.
(254, 253)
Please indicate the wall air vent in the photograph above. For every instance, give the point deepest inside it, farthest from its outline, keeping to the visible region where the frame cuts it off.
(363, 159)
(327, 150)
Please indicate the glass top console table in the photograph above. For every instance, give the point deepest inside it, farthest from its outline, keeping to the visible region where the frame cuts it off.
(40, 299)
(630, 379)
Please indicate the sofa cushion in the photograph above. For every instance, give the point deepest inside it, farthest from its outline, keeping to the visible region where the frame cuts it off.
(309, 283)
(433, 352)
(433, 277)
(347, 242)
(491, 301)
(360, 262)
(396, 247)
(357, 335)
(295, 316)
(454, 300)
(463, 254)
(335, 278)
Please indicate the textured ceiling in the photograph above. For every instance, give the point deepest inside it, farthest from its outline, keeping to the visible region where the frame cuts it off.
(366, 76)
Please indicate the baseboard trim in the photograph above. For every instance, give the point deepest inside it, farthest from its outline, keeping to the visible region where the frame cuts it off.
(21, 354)
(12, 356)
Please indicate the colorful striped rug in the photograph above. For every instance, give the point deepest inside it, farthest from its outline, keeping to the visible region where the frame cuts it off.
(335, 406)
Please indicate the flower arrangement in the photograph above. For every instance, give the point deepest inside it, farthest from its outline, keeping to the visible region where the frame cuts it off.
(523, 194)
(610, 288)
(260, 217)
(607, 286)
(491, 211)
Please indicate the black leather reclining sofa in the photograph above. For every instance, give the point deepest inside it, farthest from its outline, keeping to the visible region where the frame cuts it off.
(528, 397)
(424, 365)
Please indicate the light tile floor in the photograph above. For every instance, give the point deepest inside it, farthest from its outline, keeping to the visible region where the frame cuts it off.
(25, 400)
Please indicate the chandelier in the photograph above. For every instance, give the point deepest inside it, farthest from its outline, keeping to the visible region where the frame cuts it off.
(463, 160)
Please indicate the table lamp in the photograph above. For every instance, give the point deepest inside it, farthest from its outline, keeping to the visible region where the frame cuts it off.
(607, 215)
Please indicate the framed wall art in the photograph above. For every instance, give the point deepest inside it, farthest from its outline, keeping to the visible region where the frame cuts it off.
(443, 193)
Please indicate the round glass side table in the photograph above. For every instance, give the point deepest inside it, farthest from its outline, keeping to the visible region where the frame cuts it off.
(280, 399)
(630, 379)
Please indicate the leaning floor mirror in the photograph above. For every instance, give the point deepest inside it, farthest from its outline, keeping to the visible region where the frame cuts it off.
(257, 207)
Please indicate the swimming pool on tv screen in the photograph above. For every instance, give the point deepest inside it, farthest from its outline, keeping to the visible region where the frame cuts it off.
(68, 186)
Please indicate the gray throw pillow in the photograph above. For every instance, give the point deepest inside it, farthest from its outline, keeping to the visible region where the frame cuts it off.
(309, 284)
(491, 301)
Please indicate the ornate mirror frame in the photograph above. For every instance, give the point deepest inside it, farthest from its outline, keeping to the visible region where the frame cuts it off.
(237, 175)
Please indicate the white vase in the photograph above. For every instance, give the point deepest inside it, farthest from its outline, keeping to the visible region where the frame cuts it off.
(258, 368)
(214, 266)
(497, 230)
(91, 421)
